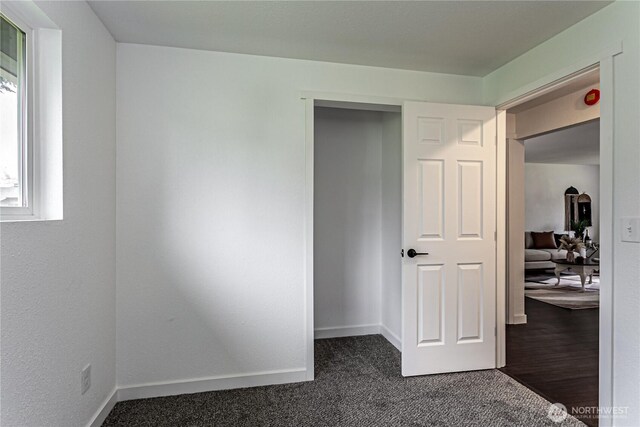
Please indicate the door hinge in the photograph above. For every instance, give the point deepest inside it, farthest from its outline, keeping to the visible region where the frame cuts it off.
(402, 253)
(495, 331)
(495, 236)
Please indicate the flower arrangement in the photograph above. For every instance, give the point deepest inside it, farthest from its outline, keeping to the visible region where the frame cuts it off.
(571, 245)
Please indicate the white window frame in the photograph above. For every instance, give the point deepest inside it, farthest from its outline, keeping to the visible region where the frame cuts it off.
(42, 112)
(27, 186)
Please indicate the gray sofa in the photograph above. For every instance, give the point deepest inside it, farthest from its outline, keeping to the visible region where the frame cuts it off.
(536, 259)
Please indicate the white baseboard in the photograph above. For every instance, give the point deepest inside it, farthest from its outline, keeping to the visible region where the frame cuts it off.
(354, 331)
(104, 410)
(391, 337)
(518, 319)
(346, 331)
(200, 385)
(228, 382)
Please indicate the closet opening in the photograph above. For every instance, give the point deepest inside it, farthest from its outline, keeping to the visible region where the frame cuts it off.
(357, 222)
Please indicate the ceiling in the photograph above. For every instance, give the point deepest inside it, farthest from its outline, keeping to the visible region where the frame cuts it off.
(576, 145)
(457, 37)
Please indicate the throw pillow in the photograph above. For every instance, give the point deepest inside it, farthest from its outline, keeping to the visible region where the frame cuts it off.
(528, 241)
(543, 240)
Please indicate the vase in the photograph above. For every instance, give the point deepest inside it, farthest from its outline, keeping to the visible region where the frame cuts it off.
(571, 257)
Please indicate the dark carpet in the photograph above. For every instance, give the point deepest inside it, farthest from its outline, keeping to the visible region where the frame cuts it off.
(358, 383)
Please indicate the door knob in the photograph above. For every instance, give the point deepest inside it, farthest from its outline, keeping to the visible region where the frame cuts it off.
(412, 253)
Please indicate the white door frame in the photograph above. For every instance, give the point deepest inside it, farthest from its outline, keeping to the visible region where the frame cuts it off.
(603, 60)
(327, 99)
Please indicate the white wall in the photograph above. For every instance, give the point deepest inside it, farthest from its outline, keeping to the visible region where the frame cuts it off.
(391, 308)
(618, 23)
(347, 218)
(357, 221)
(545, 185)
(568, 110)
(515, 227)
(58, 277)
(210, 205)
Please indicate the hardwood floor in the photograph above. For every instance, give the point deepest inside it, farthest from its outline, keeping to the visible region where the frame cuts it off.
(556, 355)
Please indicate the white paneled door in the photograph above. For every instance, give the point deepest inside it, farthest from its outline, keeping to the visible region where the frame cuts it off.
(449, 277)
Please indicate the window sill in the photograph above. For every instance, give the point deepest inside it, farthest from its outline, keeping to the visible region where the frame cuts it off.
(9, 219)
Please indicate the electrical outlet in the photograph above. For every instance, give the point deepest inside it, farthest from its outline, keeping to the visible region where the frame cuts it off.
(85, 379)
(630, 229)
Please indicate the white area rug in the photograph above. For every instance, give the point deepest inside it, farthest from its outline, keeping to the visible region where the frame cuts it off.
(568, 294)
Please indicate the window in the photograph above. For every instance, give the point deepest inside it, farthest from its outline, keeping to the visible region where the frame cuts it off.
(15, 184)
(30, 114)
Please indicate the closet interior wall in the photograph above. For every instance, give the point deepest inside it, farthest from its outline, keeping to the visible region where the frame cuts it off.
(357, 222)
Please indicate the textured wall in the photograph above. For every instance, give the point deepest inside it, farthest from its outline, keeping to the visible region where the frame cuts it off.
(210, 204)
(565, 111)
(58, 277)
(347, 217)
(357, 218)
(391, 309)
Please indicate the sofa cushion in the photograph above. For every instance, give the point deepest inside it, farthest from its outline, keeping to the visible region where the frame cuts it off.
(543, 240)
(558, 254)
(528, 240)
(531, 255)
(539, 265)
